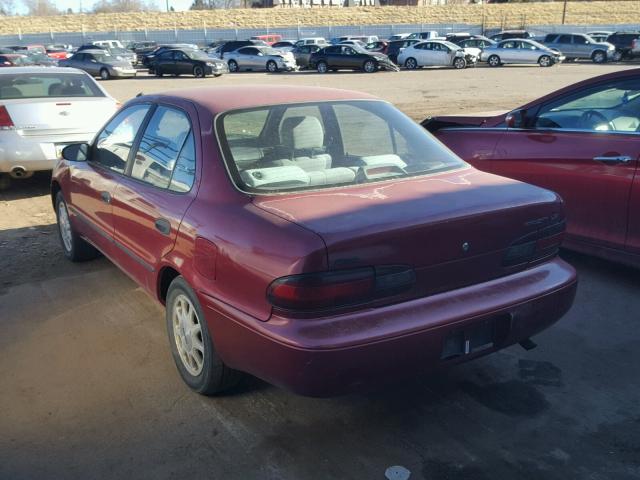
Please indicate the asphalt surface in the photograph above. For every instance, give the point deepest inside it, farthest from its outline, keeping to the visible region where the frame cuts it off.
(88, 388)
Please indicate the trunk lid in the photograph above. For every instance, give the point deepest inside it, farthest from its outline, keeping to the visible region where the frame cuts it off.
(453, 229)
(59, 116)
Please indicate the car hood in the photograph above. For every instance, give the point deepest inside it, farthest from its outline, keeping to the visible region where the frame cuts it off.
(481, 119)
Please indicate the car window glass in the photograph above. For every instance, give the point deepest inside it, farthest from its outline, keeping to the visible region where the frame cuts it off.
(160, 146)
(185, 169)
(115, 141)
(508, 45)
(564, 39)
(302, 111)
(358, 127)
(249, 125)
(611, 107)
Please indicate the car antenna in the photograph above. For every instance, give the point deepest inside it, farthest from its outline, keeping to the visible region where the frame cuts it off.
(139, 94)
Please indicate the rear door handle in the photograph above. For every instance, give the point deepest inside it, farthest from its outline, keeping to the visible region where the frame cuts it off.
(106, 197)
(614, 159)
(163, 226)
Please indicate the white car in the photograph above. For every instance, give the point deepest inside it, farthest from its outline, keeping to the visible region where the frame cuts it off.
(320, 41)
(520, 50)
(44, 109)
(435, 53)
(258, 58)
(109, 43)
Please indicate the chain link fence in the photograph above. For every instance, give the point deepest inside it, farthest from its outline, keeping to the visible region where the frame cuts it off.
(203, 36)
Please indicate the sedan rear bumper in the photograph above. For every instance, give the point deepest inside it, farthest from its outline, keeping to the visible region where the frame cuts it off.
(342, 353)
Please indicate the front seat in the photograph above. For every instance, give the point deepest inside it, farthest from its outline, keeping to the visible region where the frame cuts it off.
(303, 141)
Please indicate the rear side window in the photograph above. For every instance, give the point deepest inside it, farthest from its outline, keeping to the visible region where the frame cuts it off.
(161, 145)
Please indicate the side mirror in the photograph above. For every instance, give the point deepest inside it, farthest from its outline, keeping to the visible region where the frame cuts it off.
(76, 152)
(515, 119)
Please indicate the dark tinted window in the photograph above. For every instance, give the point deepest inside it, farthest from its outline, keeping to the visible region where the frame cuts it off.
(550, 37)
(564, 39)
(334, 49)
(114, 142)
(160, 146)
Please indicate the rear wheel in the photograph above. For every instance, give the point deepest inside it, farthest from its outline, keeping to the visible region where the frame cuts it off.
(73, 246)
(191, 345)
(198, 71)
(459, 63)
(545, 61)
(370, 66)
(104, 74)
(411, 63)
(599, 56)
(272, 67)
(322, 67)
(233, 66)
(494, 61)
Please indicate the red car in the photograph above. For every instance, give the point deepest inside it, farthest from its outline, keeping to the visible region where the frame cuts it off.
(582, 142)
(316, 238)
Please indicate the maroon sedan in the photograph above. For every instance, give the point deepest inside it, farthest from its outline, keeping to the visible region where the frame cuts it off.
(318, 239)
(583, 142)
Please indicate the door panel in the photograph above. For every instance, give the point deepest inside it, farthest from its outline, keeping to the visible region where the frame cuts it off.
(596, 194)
(633, 233)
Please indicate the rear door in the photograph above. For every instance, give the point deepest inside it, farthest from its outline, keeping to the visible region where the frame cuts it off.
(166, 62)
(152, 198)
(94, 182)
(566, 46)
(184, 65)
(509, 52)
(586, 147)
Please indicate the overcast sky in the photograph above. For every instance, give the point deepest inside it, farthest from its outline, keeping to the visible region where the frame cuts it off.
(63, 5)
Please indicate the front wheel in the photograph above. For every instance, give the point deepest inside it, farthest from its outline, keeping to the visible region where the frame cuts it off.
(322, 67)
(272, 67)
(545, 61)
(459, 63)
(104, 74)
(74, 247)
(198, 71)
(599, 57)
(494, 61)
(233, 66)
(411, 64)
(158, 72)
(191, 345)
(370, 66)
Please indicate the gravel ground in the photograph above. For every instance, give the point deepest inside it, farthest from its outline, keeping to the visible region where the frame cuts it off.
(89, 389)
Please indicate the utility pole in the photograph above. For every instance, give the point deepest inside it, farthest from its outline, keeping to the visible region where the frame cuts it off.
(168, 7)
(564, 11)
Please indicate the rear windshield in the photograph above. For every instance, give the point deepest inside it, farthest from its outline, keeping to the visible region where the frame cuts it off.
(298, 147)
(42, 85)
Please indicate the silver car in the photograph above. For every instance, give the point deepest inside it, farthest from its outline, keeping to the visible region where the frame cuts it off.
(520, 50)
(44, 109)
(99, 63)
(435, 53)
(580, 46)
(258, 58)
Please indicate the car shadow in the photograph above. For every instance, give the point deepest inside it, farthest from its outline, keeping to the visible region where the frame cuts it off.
(35, 186)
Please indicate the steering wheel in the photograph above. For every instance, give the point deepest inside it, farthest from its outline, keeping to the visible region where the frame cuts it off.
(590, 119)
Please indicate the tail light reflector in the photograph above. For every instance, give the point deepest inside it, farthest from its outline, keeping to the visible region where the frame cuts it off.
(339, 288)
(540, 244)
(6, 123)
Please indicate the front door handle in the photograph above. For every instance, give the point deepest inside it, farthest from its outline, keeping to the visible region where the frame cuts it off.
(106, 197)
(614, 159)
(163, 226)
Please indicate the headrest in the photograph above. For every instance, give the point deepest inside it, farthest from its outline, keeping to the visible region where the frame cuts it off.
(302, 133)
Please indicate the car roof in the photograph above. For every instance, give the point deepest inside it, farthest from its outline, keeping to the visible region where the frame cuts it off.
(31, 70)
(224, 98)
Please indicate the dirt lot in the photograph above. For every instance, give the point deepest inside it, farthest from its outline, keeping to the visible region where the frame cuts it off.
(89, 389)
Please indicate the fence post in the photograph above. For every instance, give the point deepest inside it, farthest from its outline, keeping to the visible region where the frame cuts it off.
(204, 27)
(83, 32)
(20, 33)
(236, 29)
(146, 33)
(298, 29)
(51, 33)
(175, 30)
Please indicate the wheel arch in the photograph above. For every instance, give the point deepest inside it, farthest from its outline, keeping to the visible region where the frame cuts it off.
(55, 188)
(166, 275)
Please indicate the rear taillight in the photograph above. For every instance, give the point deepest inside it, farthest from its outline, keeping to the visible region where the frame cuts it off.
(540, 244)
(5, 119)
(634, 44)
(339, 288)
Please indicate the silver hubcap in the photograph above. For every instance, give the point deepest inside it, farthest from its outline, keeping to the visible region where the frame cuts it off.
(233, 66)
(411, 63)
(369, 67)
(493, 61)
(599, 57)
(322, 68)
(271, 67)
(544, 61)
(65, 226)
(187, 333)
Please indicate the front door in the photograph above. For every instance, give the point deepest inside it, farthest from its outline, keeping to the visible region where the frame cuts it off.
(153, 196)
(586, 147)
(94, 182)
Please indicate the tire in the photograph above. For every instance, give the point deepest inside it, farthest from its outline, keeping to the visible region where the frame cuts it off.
(272, 67)
(411, 63)
(494, 61)
(5, 181)
(459, 63)
(198, 72)
(545, 61)
(617, 56)
(74, 247)
(370, 66)
(104, 74)
(322, 67)
(196, 359)
(233, 66)
(158, 72)
(216, 75)
(599, 56)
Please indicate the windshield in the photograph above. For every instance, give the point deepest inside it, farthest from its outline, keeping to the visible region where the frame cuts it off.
(326, 144)
(197, 55)
(42, 85)
(269, 51)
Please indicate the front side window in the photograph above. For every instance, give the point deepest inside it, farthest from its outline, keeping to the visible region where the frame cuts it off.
(160, 146)
(326, 144)
(613, 106)
(114, 143)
